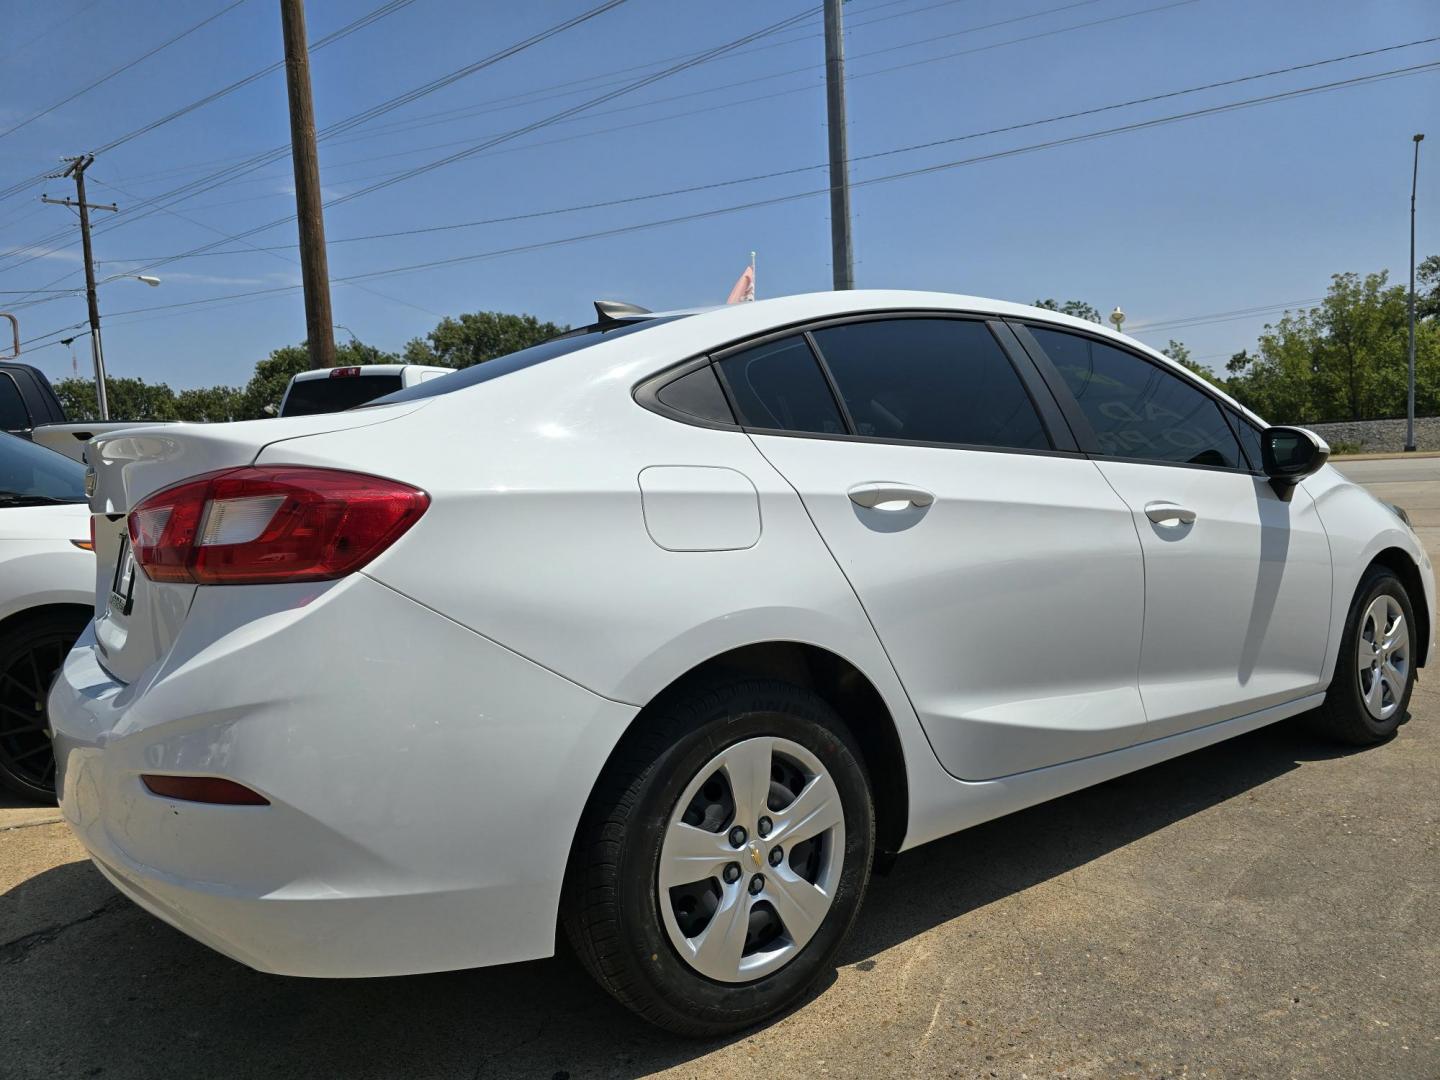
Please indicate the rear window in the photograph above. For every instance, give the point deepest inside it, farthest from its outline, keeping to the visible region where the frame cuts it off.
(336, 393)
(536, 354)
(30, 472)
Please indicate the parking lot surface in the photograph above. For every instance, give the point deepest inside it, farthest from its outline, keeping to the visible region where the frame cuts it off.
(1267, 907)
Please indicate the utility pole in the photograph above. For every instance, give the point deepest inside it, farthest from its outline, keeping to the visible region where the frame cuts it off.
(841, 256)
(309, 209)
(76, 171)
(1410, 400)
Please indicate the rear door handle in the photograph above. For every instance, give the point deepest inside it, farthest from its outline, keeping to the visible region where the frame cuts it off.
(1169, 514)
(889, 497)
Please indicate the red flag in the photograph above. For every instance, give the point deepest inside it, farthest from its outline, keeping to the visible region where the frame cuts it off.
(744, 288)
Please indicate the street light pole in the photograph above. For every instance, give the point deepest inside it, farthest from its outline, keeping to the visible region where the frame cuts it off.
(1410, 399)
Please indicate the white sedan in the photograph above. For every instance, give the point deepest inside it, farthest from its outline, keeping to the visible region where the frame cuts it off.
(47, 587)
(714, 611)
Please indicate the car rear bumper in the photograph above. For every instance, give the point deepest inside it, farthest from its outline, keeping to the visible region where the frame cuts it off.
(424, 782)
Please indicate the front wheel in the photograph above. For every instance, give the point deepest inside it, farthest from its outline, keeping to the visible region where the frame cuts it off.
(1375, 670)
(723, 857)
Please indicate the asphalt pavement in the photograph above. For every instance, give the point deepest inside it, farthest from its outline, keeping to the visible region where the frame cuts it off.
(1267, 907)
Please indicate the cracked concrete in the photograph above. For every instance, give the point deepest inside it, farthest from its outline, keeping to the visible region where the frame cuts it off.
(1269, 907)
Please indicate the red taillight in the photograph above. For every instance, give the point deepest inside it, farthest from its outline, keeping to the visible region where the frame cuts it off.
(269, 524)
(343, 372)
(206, 789)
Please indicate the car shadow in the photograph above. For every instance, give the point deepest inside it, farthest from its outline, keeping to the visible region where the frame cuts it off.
(118, 992)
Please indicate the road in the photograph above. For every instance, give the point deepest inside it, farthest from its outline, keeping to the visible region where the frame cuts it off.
(1267, 907)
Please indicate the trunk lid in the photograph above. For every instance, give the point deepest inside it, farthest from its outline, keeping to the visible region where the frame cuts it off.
(137, 620)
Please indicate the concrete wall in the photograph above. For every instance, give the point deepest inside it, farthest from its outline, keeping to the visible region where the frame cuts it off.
(1380, 436)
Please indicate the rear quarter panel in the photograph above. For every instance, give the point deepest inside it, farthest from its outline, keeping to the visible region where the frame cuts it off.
(537, 539)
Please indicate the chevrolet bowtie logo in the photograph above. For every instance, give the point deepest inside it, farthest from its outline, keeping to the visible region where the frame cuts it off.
(755, 856)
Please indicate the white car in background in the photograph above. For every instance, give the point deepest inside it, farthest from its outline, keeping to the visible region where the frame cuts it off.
(326, 390)
(47, 593)
(717, 610)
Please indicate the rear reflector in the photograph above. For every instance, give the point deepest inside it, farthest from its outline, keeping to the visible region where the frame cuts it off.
(270, 524)
(206, 789)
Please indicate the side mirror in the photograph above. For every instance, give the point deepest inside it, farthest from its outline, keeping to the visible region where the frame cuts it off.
(1289, 454)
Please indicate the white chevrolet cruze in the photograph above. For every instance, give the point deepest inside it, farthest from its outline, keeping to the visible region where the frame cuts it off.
(667, 630)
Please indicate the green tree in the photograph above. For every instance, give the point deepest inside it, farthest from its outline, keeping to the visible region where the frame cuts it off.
(209, 404)
(476, 337)
(1078, 308)
(129, 399)
(1342, 360)
(1427, 288)
(1180, 353)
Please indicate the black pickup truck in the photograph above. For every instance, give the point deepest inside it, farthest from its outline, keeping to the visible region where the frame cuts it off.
(26, 399)
(30, 409)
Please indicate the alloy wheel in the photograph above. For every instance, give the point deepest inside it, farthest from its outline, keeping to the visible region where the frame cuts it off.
(751, 857)
(1383, 660)
(25, 750)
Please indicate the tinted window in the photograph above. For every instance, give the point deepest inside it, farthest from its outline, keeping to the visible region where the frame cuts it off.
(779, 385)
(336, 393)
(33, 473)
(574, 341)
(1138, 409)
(1250, 440)
(697, 394)
(930, 380)
(13, 414)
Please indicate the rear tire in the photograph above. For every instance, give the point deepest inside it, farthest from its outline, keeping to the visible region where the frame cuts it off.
(31, 652)
(669, 808)
(1369, 696)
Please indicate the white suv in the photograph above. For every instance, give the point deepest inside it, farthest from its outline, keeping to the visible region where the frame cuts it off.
(716, 610)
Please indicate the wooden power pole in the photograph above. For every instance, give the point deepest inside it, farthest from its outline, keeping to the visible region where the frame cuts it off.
(841, 256)
(75, 170)
(309, 208)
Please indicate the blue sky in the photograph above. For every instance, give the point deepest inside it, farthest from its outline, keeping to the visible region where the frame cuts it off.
(1246, 209)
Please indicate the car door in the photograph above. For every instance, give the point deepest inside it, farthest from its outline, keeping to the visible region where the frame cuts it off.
(1000, 571)
(1237, 578)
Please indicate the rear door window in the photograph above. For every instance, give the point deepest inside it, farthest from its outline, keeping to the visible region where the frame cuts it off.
(780, 387)
(931, 381)
(1137, 408)
(13, 414)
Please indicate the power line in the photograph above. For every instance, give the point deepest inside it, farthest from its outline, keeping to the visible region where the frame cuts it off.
(523, 130)
(343, 32)
(856, 159)
(150, 205)
(778, 200)
(122, 68)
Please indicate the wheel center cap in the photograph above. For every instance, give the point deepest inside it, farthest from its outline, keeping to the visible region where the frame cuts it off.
(755, 856)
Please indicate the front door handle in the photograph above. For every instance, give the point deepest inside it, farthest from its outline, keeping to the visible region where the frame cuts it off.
(890, 497)
(1169, 514)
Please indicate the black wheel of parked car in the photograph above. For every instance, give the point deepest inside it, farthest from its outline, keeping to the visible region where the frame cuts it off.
(1375, 670)
(723, 856)
(31, 651)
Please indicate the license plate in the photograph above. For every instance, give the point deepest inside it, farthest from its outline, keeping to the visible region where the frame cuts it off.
(122, 588)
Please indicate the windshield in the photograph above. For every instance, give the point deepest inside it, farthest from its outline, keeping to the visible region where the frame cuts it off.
(31, 474)
(336, 393)
(536, 354)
